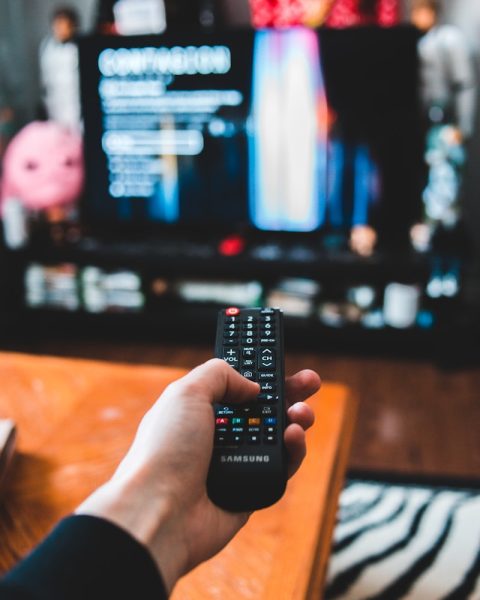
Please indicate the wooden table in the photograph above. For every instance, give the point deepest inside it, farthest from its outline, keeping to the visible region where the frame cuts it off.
(76, 419)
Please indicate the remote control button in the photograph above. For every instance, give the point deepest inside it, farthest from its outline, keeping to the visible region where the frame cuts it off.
(267, 376)
(238, 439)
(268, 326)
(232, 311)
(266, 359)
(238, 429)
(223, 440)
(249, 319)
(267, 319)
(228, 335)
(268, 398)
(232, 320)
(252, 430)
(249, 326)
(269, 421)
(252, 421)
(220, 430)
(270, 430)
(249, 341)
(267, 333)
(230, 341)
(231, 356)
(267, 311)
(267, 387)
(270, 439)
(224, 411)
(248, 363)
(269, 411)
(248, 374)
(253, 439)
(222, 421)
(238, 420)
(248, 353)
(250, 410)
(268, 341)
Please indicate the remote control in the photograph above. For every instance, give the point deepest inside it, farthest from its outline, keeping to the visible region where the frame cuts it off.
(248, 469)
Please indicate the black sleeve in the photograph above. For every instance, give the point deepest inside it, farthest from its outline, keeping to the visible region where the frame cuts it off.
(85, 558)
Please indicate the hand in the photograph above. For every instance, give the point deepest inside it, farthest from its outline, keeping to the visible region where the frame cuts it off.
(158, 491)
(362, 240)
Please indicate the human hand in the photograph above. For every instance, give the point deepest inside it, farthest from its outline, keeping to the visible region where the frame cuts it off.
(158, 492)
(362, 240)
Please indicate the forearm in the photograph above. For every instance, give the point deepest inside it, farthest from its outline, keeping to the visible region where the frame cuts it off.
(85, 558)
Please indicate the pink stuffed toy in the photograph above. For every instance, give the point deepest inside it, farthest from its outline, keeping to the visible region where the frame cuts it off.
(42, 172)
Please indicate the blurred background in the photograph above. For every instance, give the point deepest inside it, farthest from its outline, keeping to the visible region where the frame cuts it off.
(163, 160)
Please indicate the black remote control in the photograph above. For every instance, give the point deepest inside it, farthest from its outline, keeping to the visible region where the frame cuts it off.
(248, 469)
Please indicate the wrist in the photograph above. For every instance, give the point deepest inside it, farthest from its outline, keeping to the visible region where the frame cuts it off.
(150, 518)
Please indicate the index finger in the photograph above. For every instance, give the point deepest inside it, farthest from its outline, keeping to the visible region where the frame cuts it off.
(217, 382)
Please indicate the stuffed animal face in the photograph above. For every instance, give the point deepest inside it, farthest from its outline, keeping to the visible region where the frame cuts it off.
(43, 166)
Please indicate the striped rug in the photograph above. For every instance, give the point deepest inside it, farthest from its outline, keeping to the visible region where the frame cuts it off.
(408, 542)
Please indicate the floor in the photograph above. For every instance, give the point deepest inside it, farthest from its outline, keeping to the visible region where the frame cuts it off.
(415, 420)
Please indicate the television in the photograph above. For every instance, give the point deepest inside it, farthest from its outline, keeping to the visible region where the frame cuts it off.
(296, 130)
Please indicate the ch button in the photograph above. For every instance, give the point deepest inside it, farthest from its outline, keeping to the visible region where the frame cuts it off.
(266, 360)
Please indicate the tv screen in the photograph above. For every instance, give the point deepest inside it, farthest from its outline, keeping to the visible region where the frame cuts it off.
(278, 130)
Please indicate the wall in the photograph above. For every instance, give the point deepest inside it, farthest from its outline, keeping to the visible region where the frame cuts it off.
(23, 24)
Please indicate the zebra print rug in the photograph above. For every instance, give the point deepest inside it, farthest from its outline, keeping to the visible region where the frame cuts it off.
(405, 542)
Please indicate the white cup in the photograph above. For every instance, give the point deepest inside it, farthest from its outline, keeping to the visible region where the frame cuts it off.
(400, 305)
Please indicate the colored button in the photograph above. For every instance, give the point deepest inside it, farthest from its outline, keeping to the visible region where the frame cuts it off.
(238, 420)
(232, 311)
(254, 421)
(222, 420)
(270, 421)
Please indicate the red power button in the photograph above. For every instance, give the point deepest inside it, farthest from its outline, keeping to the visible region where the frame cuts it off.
(232, 312)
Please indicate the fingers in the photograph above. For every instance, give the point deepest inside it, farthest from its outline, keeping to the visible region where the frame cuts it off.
(301, 386)
(302, 415)
(296, 447)
(215, 381)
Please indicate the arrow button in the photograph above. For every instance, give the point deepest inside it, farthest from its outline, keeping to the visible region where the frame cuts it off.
(266, 360)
